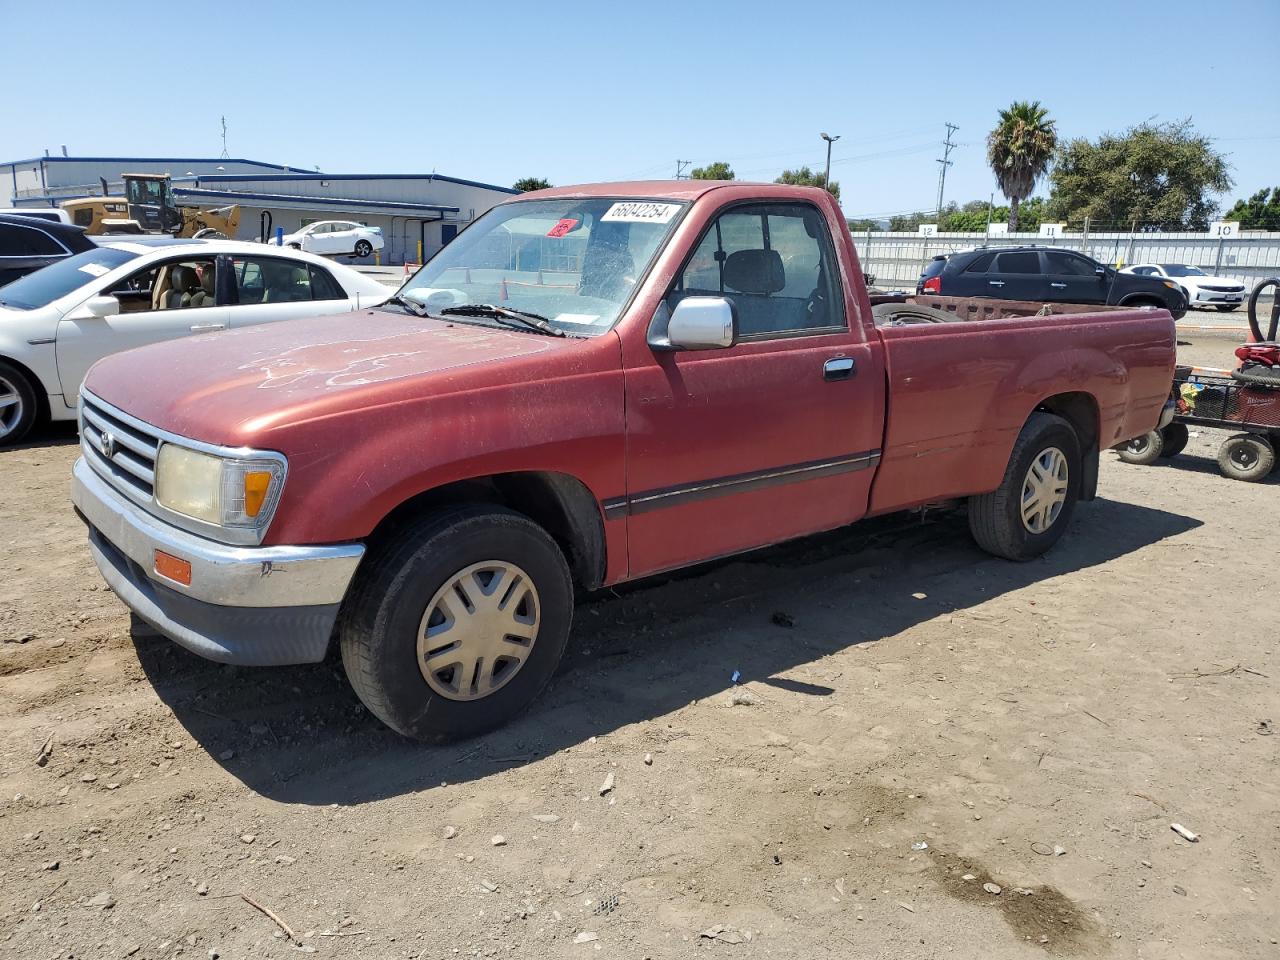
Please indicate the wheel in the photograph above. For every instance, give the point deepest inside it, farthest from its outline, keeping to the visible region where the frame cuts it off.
(363, 248)
(457, 623)
(1246, 456)
(1226, 307)
(1173, 439)
(1028, 512)
(1142, 450)
(18, 406)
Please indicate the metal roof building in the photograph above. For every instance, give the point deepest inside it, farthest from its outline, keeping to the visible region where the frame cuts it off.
(414, 210)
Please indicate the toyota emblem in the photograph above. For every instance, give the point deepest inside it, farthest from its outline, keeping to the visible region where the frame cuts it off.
(107, 444)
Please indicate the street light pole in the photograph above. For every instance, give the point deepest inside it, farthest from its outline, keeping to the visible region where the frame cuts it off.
(826, 180)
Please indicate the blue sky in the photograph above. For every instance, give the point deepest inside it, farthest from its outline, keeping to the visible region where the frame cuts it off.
(598, 91)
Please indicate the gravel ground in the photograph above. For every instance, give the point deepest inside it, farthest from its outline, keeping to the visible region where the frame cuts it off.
(917, 725)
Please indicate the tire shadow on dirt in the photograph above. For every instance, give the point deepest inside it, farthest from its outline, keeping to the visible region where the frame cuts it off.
(299, 735)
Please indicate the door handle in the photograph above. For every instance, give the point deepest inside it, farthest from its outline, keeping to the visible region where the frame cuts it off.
(1058, 286)
(996, 283)
(839, 368)
(207, 327)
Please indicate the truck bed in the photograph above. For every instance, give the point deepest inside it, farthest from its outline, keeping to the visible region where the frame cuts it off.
(958, 393)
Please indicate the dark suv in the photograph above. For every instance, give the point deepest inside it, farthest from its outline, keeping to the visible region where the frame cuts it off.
(1044, 275)
(29, 243)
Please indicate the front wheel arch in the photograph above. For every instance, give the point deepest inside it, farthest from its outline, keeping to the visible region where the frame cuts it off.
(560, 503)
(43, 413)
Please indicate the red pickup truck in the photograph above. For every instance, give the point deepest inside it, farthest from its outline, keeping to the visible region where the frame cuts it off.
(589, 385)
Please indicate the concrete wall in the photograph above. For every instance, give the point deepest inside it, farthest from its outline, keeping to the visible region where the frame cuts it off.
(896, 259)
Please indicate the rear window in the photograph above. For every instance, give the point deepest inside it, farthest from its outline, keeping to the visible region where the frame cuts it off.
(1025, 262)
(933, 267)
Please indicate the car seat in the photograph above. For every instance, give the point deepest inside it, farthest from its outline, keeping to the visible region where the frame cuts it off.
(206, 295)
(756, 275)
(182, 283)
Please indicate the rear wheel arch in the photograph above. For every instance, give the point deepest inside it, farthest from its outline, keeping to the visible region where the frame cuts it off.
(559, 503)
(1080, 410)
(41, 390)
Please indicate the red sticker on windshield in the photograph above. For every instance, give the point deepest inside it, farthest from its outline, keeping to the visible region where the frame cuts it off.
(563, 227)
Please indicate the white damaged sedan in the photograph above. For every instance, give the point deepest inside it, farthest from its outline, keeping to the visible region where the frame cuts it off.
(57, 322)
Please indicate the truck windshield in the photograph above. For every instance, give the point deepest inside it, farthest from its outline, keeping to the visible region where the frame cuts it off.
(573, 261)
(46, 285)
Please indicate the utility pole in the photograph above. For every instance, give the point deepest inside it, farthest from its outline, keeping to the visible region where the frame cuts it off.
(826, 178)
(948, 146)
(680, 165)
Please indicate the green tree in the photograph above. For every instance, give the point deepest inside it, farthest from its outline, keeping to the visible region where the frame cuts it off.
(972, 217)
(529, 184)
(804, 177)
(1154, 173)
(1019, 150)
(1260, 212)
(862, 226)
(713, 171)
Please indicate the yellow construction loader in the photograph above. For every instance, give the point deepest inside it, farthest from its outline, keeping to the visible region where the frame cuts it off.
(148, 206)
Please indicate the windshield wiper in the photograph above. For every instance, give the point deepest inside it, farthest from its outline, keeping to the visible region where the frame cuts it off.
(533, 321)
(413, 306)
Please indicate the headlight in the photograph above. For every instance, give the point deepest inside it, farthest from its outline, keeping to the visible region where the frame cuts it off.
(1170, 284)
(228, 492)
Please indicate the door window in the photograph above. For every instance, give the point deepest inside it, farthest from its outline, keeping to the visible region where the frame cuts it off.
(271, 280)
(1068, 264)
(981, 263)
(171, 285)
(775, 262)
(1026, 262)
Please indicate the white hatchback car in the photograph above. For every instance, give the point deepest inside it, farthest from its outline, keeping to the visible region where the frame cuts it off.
(58, 321)
(336, 238)
(1200, 289)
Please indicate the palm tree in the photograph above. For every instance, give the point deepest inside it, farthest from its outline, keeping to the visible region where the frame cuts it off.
(1019, 150)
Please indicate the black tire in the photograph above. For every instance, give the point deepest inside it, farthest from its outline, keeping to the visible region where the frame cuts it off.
(1246, 456)
(1142, 450)
(1173, 439)
(363, 248)
(995, 519)
(1226, 307)
(382, 615)
(22, 406)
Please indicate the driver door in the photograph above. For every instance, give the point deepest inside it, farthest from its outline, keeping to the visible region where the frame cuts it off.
(151, 311)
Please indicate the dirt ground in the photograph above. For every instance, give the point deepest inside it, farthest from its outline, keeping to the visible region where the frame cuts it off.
(1038, 726)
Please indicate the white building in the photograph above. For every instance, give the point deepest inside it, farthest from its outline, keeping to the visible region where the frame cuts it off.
(413, 210)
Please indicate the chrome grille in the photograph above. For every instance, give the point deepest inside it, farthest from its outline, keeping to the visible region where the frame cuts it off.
(119, 448)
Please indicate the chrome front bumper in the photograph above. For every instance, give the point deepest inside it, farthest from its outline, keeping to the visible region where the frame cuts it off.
(247, 605)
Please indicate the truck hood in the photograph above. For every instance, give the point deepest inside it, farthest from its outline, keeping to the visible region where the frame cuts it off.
(230, 387)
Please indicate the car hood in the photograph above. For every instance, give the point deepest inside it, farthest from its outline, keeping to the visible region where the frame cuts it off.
(239, 386)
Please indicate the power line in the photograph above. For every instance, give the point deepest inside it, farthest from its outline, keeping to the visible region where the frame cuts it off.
(948, 146)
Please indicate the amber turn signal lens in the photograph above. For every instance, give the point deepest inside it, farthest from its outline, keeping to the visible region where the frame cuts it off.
(256, 485)
(173, 568)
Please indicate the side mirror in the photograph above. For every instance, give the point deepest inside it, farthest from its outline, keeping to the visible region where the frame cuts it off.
(103, 305)
(697, 323)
